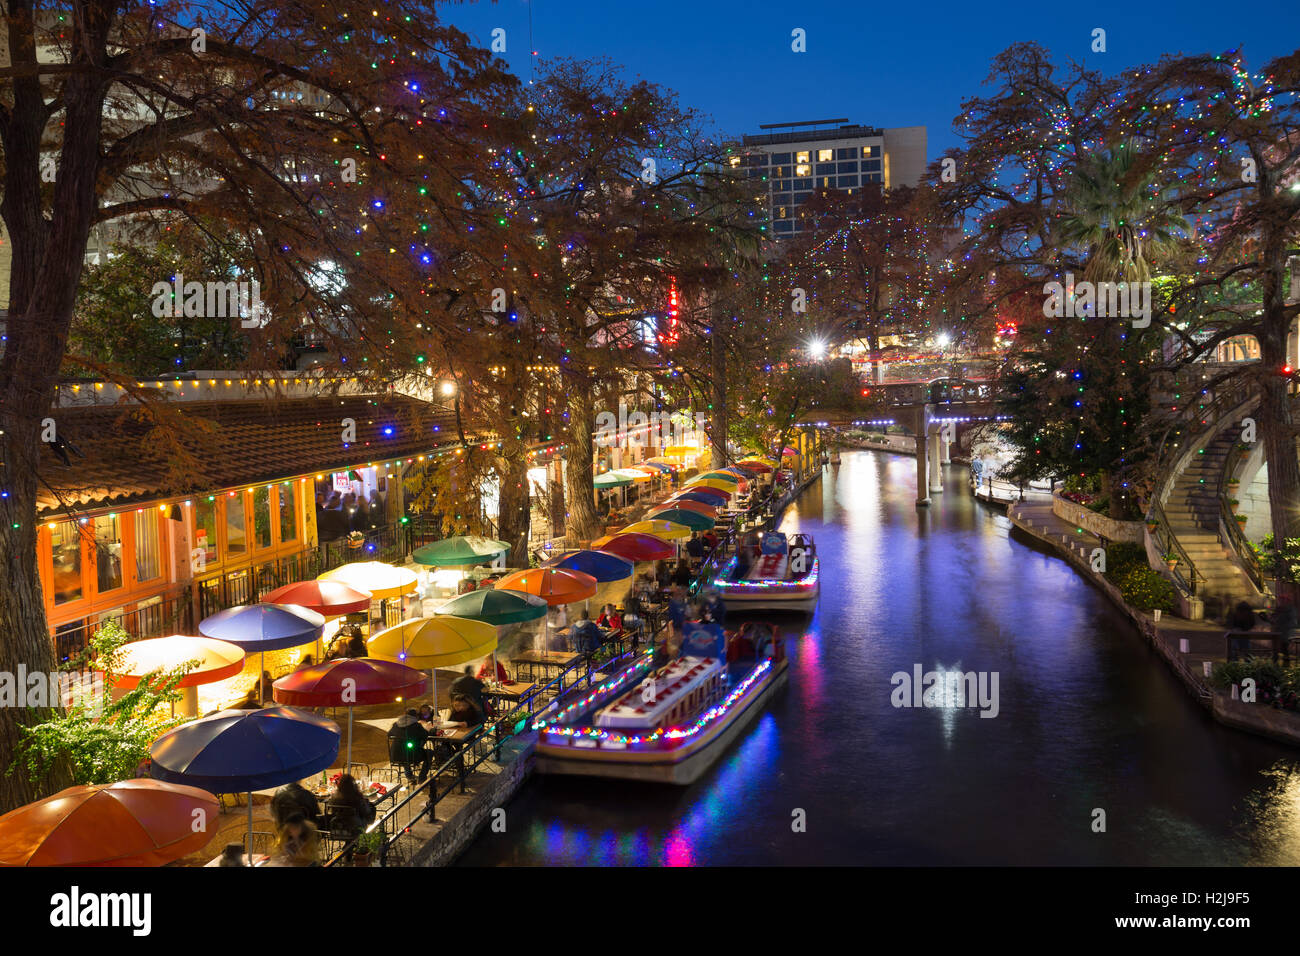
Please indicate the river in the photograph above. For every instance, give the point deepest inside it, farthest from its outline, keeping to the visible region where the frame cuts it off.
(1089, 719)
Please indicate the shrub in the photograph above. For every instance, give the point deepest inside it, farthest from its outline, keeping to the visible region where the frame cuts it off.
(1274, 685)
(1146, 589)
(1122, 557)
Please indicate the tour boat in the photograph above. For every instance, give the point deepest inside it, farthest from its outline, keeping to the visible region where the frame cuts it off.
(782, 577)
(665, 724)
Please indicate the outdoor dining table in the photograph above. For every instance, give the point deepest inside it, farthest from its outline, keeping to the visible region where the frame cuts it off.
(543, 659)
(514, 692)
(455, 738)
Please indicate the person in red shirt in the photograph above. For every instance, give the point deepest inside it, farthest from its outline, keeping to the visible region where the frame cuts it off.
(485, 671)
(610, 618)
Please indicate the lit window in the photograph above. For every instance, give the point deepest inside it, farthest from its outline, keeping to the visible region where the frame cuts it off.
(825, 155)
(803, 169)
(108, 552)
(65, 541)
(801, 157)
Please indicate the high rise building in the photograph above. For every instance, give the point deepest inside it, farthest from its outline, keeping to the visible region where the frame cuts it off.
(793, 160)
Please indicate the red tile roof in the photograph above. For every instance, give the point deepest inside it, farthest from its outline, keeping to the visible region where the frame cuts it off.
(129, 455)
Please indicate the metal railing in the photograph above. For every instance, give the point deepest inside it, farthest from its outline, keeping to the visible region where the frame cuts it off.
(1245, 551)
(480, 747)
(1167, 542)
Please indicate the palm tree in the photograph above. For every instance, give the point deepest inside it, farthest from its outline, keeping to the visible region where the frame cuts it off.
(1115, 212)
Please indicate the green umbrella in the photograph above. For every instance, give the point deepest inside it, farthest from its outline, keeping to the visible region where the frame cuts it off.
(459, 551)
(495, 606)
(610, 480)
(692, 519)
(724, 475)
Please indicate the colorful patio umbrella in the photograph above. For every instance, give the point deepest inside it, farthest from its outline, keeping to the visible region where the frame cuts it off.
(681, 451)
(636, 474)
(495, 606)
(610, 480)
(762, 464)
(723, 475)
(432, 642)
(667, 530)
(717, 483)
(217, 659)
(460, 551)
(350, 683)
(245, 750)
(691, 519)
(264, 627)
(789, 452)
(601, 565)
(708, 510)
(327, 598)
(704, 496)
(662, 462)
(635, 546)
(382, 580)
(127, 823)
(656, 467)
(553, 585)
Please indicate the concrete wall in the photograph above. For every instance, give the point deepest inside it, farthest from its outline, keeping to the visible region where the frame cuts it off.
(904, 156)
(1098, 524)
(457, 833)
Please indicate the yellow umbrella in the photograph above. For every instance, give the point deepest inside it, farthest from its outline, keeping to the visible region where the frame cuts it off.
(680, 451)
(718, 483)
(668, 530)
(428, 642)
(381, 580)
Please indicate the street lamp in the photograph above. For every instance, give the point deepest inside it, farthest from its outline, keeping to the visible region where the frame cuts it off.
(449, 388)
(817, 348)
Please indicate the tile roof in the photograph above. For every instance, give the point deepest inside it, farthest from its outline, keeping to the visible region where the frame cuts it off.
(129, 455)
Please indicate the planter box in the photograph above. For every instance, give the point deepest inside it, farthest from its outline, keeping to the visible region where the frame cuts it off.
(1098, 524)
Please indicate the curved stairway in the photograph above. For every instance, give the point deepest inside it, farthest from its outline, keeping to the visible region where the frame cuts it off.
(1193, 514)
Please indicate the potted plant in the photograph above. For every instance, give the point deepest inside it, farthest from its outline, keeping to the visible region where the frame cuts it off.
(1234, 504)
(368, 844)
(1241, 520)
(1171, 559)
(356, 540)
(1233, 487)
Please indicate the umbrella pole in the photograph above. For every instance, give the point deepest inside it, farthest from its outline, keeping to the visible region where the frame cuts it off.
(250, 828)
(433, 672)
(347, 769)
(261, 680)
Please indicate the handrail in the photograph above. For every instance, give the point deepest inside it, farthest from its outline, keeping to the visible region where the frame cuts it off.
(1167, 541)
(490, 729)
(1249, 559)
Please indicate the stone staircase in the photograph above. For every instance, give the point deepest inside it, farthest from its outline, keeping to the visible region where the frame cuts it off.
(1193, 513)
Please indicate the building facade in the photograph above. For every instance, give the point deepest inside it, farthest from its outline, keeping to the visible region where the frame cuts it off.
(794, 160)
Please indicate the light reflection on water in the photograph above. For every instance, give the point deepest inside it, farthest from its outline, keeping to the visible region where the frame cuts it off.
(1089, 719)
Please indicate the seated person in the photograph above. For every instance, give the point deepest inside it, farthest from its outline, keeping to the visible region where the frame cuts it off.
(485, 671)
(297, 843)
(610, 618)
(294, 798)
(465, 712)
(349, 810)
(406, 740)
(232, 855)
(586, 636)
(467, 685)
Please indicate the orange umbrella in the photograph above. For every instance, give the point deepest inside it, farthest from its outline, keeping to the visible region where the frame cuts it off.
(554, 585)
(128, 823)
(217, 660)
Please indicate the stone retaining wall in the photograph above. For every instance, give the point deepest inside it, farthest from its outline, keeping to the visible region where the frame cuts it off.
(457, 833)
(1260, 719)
(1097, 524)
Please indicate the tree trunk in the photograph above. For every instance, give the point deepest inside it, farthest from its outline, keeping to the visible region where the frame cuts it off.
(718, 413)
(581, 523)
(47, 259)
(1278, 433)
(514, 506)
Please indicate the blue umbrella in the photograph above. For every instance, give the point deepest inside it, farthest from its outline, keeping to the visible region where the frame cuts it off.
(704, 496)
(601, 565)
(259, 628)
(245, 750)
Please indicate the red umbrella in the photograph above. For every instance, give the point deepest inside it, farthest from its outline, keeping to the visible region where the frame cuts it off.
(349, 682)
(327, 598)
(709, 511)
(128, 823)
(636, 546)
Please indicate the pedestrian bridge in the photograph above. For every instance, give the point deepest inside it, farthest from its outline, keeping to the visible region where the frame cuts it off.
(930, 410)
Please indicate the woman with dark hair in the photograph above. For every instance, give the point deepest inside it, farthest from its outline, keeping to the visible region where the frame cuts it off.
(348, 809)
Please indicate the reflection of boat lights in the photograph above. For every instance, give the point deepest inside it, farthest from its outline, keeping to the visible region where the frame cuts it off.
(673, 734)
(647, 660)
